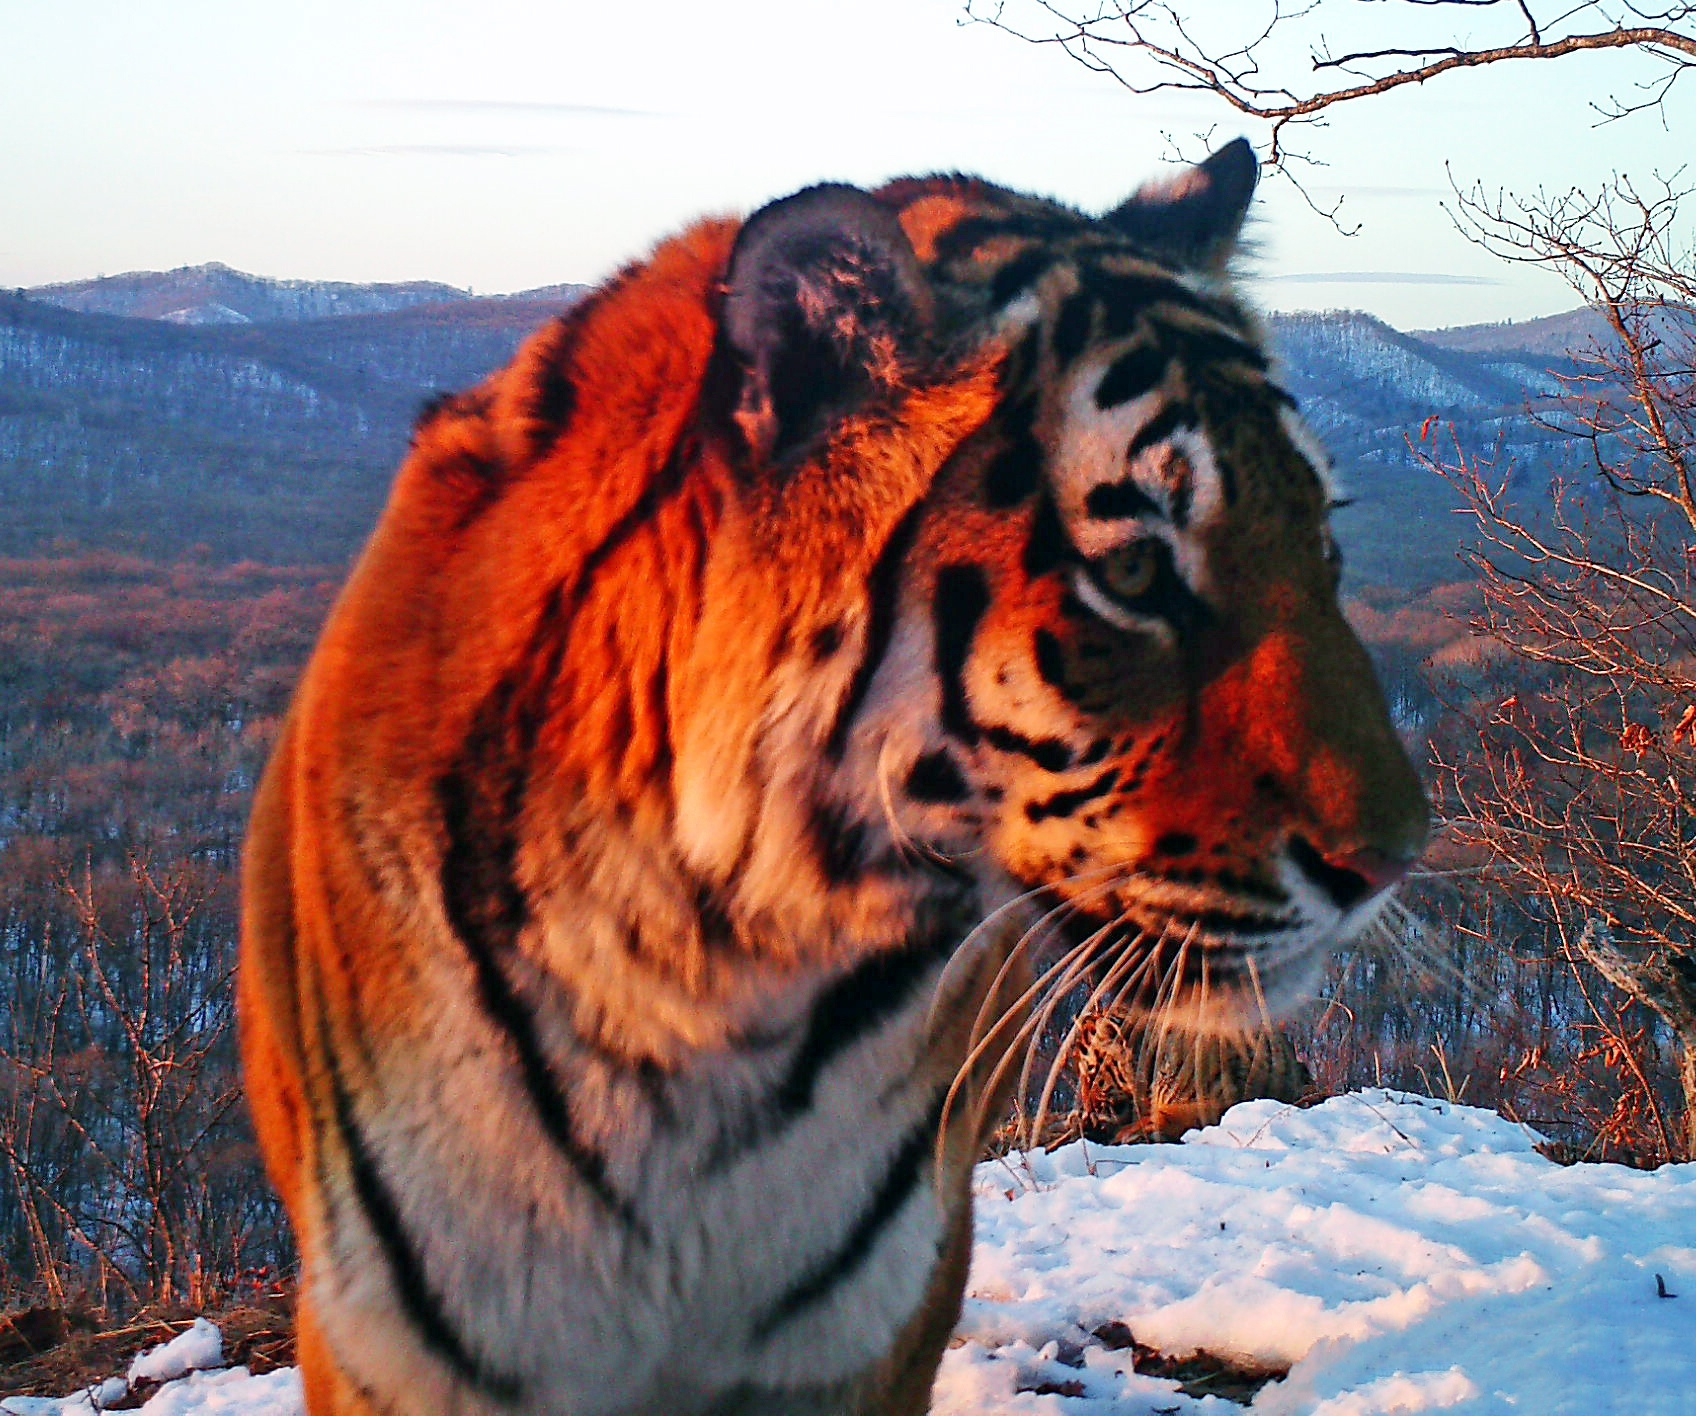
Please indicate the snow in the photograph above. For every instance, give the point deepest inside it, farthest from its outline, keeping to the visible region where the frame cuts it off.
(1398, 1254)
(200, 1347)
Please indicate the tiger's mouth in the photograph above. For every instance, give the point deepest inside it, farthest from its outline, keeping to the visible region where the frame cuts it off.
(1221, 956)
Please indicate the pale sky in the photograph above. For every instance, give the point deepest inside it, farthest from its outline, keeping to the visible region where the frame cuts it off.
(508, 144)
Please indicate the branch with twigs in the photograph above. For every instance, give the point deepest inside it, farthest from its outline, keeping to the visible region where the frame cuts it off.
(1284, 69)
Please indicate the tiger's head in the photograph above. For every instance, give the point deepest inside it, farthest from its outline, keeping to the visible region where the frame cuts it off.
(1050, 550)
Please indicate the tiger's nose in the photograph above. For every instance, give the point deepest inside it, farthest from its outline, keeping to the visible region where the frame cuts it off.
(1349, 878)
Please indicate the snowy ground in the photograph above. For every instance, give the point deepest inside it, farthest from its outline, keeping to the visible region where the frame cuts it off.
(1398, 1254)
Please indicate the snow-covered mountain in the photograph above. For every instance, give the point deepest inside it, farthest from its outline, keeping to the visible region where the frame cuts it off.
(214, 294)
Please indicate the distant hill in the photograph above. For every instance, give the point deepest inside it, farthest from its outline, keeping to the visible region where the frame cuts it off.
(214, 294)
(276, 437)
(1550, 335)
(274, 441)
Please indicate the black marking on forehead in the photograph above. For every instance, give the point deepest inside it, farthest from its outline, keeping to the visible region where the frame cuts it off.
(1131, 375)
(1072, 326)
(1199, 347)
(962, 599)
(1125, 299)
(975, 231)
(1120, 501)
(1164, 425)
(1019, 273)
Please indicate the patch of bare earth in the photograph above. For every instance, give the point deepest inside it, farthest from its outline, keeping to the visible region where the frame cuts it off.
(1197, 1374)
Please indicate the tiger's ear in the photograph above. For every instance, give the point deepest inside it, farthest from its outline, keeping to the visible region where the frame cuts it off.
(826, 306)
(1193, 220)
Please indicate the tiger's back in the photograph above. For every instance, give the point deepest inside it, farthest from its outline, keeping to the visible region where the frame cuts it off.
(818, 589)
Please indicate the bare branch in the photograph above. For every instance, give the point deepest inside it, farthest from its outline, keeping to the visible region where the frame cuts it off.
(1149, 47)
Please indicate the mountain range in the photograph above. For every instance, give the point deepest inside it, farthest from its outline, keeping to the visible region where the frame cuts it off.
(264, 418)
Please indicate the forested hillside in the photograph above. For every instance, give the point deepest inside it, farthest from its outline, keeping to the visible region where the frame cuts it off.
(270, 440)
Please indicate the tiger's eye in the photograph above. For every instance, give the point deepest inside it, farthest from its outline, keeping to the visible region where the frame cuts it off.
(1130, 572)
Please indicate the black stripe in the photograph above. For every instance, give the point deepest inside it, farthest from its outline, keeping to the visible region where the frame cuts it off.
(851, 1009)
(883, 591)
(553, 400)
(840, 843)
(1227, 480)
(900, 1179)
(481, 799)
(1183, 495)
(963, 238)
(1131, 375)
(1048, 547)
(1126, 298)
(1071, 328)
(1095, 752)
(485, 932)
(936, 778)
(845, 1013)
(1170, 420)
(422, 1304)
(1050, 754)
(1015, 472)
(1021, 271)
(825, 641)
(962, 599)
(1051, 661)
(1199, 347)
(1065, 803)
(1120, 501)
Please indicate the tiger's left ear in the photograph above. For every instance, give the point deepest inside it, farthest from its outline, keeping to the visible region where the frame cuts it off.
(826, 307)
(1193, 220)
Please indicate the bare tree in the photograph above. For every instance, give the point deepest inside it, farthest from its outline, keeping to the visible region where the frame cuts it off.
(1579, 788)
(123, 1158)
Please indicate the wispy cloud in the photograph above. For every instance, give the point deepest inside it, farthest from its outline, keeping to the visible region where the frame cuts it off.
(1326, 191)
(1378, 277)
(438, 150)
(503, 107)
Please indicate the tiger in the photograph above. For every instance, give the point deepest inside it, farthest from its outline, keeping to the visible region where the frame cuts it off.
(835, 624)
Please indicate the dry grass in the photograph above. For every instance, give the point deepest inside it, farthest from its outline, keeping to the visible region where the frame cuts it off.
(52, 1352)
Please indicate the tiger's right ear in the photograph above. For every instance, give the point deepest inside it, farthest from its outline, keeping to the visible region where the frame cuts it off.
(826, 308)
